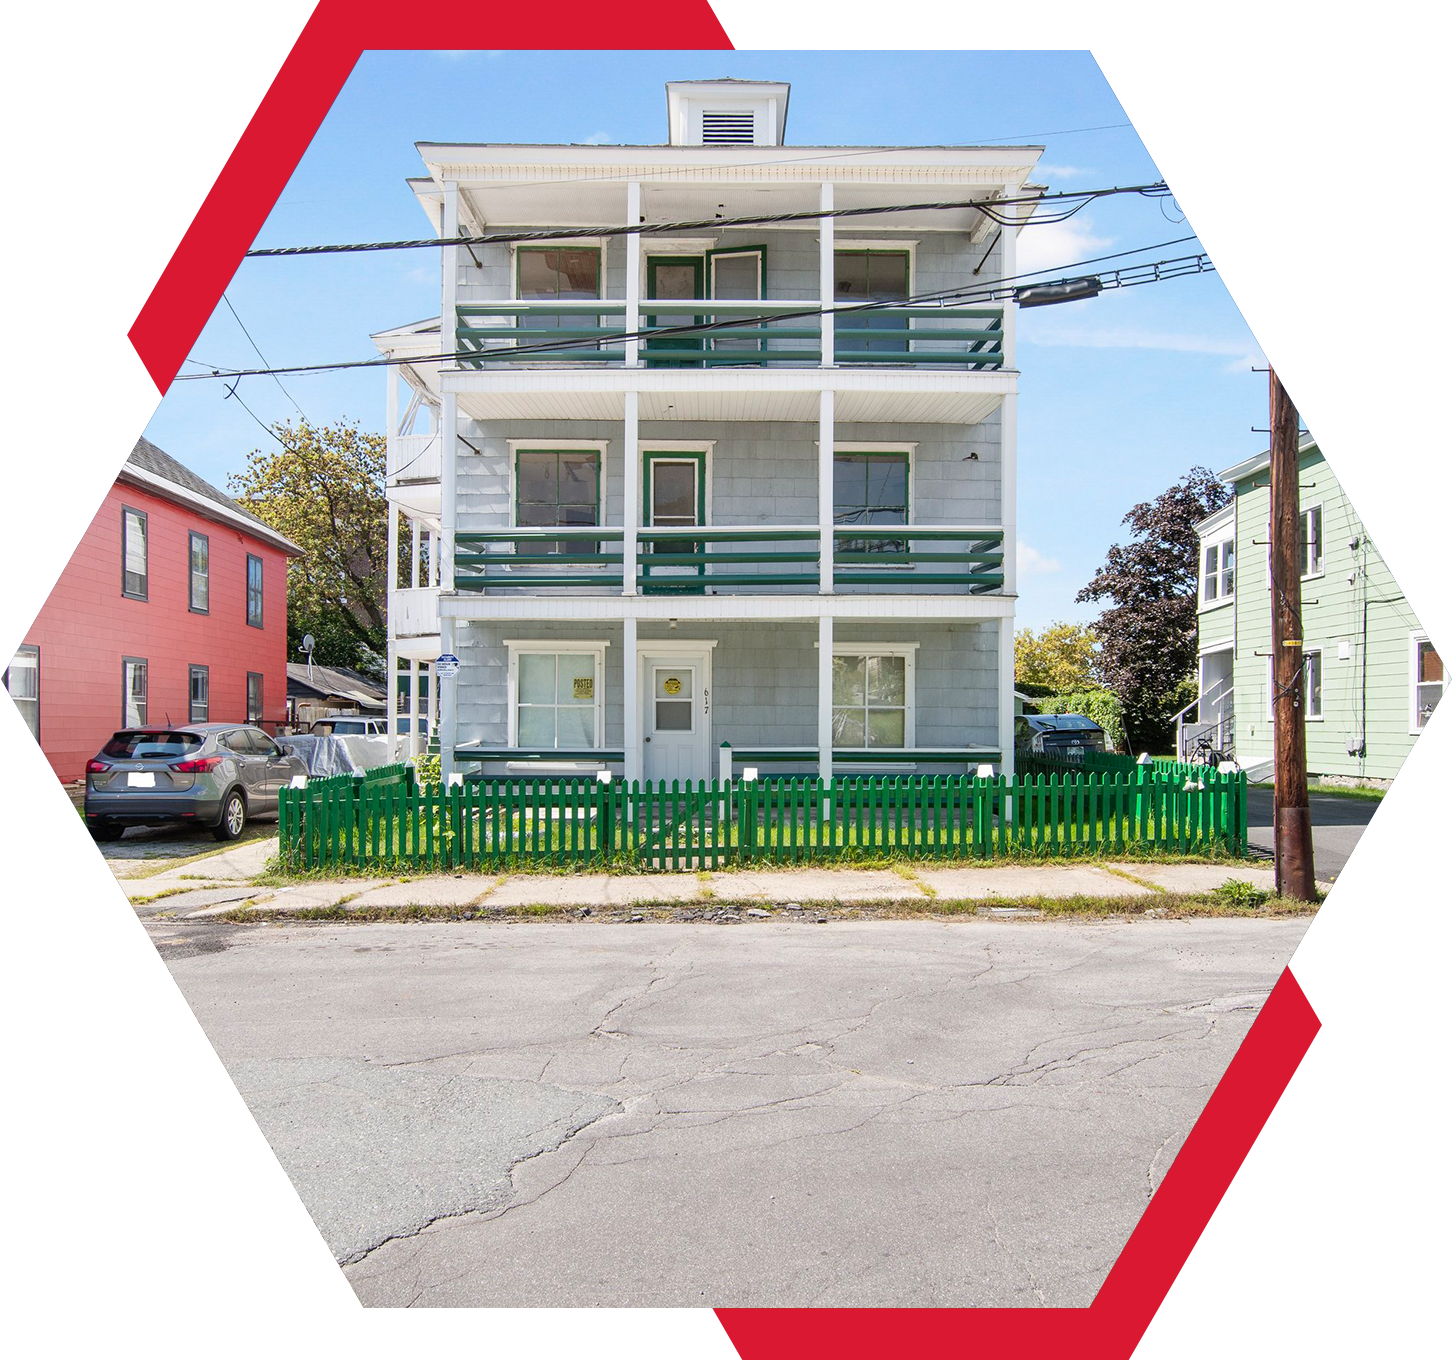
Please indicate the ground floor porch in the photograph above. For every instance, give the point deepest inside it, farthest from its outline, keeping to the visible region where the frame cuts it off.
(662, 699)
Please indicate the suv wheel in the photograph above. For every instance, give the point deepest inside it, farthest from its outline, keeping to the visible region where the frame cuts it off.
(234, 817)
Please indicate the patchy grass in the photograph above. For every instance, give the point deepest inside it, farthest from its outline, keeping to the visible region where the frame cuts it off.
(1165, 906)
(150, 865)
(1367, 795)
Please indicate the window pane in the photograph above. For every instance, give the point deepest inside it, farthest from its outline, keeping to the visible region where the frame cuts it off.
(576, 725)
(199, 572)
(134, 553)
(537, 678)
(23, 678)
(738, 277)
(672, 715)
(1315, 685)
(850, 489)
(848, 680)
(848, 727)
(888, 489)
(576, 679)
(559, 273)
(578, 478)
(673, 493)
(674, 282)
(134, 688)
(886, 727)
(850, 276)
(537, 727)
(888, 276)
(886, 680)
(535, 477)
(1431, 668)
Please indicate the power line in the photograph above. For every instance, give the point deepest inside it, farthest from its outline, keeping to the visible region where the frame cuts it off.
(1131, 276)
(992, 210)
(262, 356)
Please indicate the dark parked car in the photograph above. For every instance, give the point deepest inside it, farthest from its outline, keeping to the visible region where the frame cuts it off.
(212, 774)
(1067, 736)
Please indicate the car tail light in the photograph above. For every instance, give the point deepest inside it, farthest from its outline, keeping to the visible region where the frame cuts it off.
(96, 767)
(203, 766)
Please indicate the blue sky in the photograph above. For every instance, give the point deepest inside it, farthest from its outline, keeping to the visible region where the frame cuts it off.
(1120, 395)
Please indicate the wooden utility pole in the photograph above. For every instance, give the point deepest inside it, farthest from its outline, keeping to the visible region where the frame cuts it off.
(1292, 823)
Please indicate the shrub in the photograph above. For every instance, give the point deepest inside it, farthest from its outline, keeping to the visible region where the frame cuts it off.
(1099, 705)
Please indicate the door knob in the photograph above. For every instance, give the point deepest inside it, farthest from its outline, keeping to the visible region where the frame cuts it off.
(646, 738)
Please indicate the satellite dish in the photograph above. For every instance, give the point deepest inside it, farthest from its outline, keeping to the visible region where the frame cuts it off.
(307, 644)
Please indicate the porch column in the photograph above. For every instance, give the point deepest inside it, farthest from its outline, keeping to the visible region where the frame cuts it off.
(1007, 696)
(448, 705)
(413, 707)
(825, 697)
(630, 490)
(633, 273)
(630, 701)
(391, 620)
(825, 493)
(449, 414)
(826, 273)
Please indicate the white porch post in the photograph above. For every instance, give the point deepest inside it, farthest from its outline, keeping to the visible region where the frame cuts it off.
(825, 493)
(449, 415)
(825, 697)
(1007, 696)
(826, 273)
(633, 273)
(630, 701)
(630, 491)
(391, 623)
(413, 706)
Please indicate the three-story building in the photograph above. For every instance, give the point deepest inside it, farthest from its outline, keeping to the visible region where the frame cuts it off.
(688, 494)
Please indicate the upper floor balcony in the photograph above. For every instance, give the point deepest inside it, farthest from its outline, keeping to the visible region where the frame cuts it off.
(704, 333)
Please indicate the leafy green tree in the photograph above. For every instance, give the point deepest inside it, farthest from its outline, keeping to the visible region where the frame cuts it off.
(1148, 629)
(323, 487)
(1061, 656)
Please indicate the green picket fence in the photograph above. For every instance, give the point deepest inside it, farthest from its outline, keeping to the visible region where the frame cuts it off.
(583, 823)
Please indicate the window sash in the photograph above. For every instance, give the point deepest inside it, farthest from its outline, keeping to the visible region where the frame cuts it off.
(133, 553)
(22, 683)
(1429, 681)
(254, 697)
(198, 694)
(254, 591)
(868, 500)
(865, 711)
(1219, 578)
(555, 285)
(199, 572)
(133, 691)
(1310, 548)
(553, 717)
(554, 498)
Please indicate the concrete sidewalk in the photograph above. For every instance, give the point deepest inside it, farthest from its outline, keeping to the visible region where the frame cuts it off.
(184, 894)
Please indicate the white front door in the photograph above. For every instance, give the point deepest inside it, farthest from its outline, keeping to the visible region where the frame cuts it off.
(674, 726)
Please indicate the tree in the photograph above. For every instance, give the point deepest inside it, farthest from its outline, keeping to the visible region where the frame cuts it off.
(324, 489)
(1059, 657)
(1148, 631)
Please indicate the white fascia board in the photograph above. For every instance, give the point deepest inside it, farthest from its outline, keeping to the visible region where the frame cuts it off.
(207, 508)
(1218, 519)
(1250, 467)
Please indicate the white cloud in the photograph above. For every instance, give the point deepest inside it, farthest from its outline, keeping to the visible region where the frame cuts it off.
(1064, 333)
(1031, 561)
(1062, 171)
(598, 139)
(1058, 244)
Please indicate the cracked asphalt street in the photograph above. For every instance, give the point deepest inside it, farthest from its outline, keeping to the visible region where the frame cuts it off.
(868, 1113)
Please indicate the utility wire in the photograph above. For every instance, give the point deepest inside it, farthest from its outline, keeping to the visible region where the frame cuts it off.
(990, 209)
(262, 356)
(1128, 277)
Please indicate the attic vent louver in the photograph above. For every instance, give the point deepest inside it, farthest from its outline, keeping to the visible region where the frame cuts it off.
(721, 127)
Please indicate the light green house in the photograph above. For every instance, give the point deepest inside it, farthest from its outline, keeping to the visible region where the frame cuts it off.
(1373, 677)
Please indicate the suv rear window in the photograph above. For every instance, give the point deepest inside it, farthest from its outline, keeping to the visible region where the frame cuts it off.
(151, 745)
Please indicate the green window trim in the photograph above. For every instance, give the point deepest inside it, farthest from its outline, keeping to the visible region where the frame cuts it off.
(873, 320)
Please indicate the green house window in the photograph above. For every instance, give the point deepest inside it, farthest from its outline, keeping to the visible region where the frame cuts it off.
(871, 488)
(870, 701)
(558, 487)
(557, 274)
(871, 276)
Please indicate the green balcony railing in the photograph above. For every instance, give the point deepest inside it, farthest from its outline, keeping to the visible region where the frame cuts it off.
(903, 558)
(745, 334)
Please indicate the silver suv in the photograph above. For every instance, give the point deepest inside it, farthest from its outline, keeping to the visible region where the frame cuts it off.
(212, 774)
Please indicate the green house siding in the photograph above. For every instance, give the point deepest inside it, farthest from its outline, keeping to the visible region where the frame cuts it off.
(1362, 627)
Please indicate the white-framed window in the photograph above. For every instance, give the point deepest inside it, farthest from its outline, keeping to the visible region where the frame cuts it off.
(1426, 680)
(873, 695)
(1312, 685)
(557, 695)
(1310, 541)
(22, 683)
(1219, 573)
(133, 691)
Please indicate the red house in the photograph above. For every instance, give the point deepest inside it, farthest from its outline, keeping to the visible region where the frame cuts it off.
(173, 609)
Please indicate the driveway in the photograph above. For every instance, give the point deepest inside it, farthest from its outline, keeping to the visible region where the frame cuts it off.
(1337, 825)
(788, 1113)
